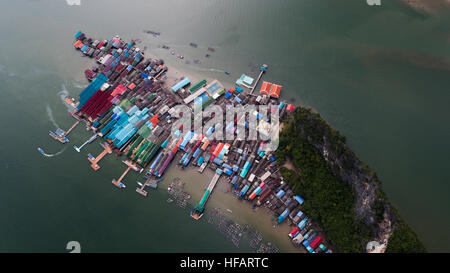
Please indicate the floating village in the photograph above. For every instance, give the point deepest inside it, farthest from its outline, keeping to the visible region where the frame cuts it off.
(130, 105)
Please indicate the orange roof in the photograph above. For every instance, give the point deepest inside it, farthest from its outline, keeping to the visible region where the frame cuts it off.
(265, 87)
(275, 90)
(178, 144)
(218, 149)
(205, 145)
(131, 86)
(154, 120)
(78, 44)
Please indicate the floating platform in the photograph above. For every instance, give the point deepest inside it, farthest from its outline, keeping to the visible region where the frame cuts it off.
(196, 214)
(142, 192)
(118, 184)
(59, 135)
(94, 160)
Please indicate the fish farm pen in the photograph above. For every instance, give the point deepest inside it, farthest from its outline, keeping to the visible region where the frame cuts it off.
(130, 104)
(237, 233)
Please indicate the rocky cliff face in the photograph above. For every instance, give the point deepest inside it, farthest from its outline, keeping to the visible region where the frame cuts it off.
(371, 205)
(367, 189)
(369, 202)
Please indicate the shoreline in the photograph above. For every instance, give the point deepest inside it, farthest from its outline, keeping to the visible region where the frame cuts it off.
(429, 6)
(222, 198)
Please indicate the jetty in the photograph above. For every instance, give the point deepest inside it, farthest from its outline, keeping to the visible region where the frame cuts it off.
(197, 212)
(150, 182)
(141, 190)
(61, 135)
(92, 138)
(131, 166)
(262, 70)
(94, 161)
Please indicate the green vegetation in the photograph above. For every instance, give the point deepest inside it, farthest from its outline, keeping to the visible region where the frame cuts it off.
(329, 200)
(404, 240)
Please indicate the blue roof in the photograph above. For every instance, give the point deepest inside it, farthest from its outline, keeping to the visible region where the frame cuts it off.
(78, 34)
(299, 199)
(90, 90)
(181, 84)
(280, 193)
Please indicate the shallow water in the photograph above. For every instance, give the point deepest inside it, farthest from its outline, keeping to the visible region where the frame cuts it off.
(378, 74)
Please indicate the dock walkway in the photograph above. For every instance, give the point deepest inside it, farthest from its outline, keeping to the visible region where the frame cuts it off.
(262, 70)
(107, 150)
(131, 165)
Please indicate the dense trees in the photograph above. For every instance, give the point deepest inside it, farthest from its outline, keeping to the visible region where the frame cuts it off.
(404, 240)
(329, 200)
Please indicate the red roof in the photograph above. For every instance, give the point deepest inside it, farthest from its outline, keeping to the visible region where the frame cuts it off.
(119, 90)
(315, 242)
(290, 107)
(265, 87)
(100, 44)
(119, 67)
(275, 90)
(294, 231)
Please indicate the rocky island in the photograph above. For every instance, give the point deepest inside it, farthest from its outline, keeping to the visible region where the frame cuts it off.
(344, 195)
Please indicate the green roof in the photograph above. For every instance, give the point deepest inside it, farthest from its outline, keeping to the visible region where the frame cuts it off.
(125, 104)
(197, 86)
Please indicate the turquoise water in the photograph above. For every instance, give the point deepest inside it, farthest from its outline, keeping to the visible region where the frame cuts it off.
(378, 74)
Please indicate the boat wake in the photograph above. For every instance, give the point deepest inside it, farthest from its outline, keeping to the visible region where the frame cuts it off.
(208, 69)
(63, 94)
(76, 85)
(51, 117)
(217, 70)
(51, 155)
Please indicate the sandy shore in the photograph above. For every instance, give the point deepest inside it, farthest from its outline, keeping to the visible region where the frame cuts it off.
(175, 72)
(222, 198)
(429, 6)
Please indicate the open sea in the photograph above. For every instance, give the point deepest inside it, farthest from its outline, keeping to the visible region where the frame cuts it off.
(378, 74)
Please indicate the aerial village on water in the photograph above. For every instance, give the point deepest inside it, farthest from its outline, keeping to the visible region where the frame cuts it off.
(130, 105)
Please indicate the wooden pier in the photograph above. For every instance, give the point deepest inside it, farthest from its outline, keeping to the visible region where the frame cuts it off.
(141, 191)
(107, 150)
(71, 128)
(262, 70)
(92, 138)
(118, 183)
(61, 135)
